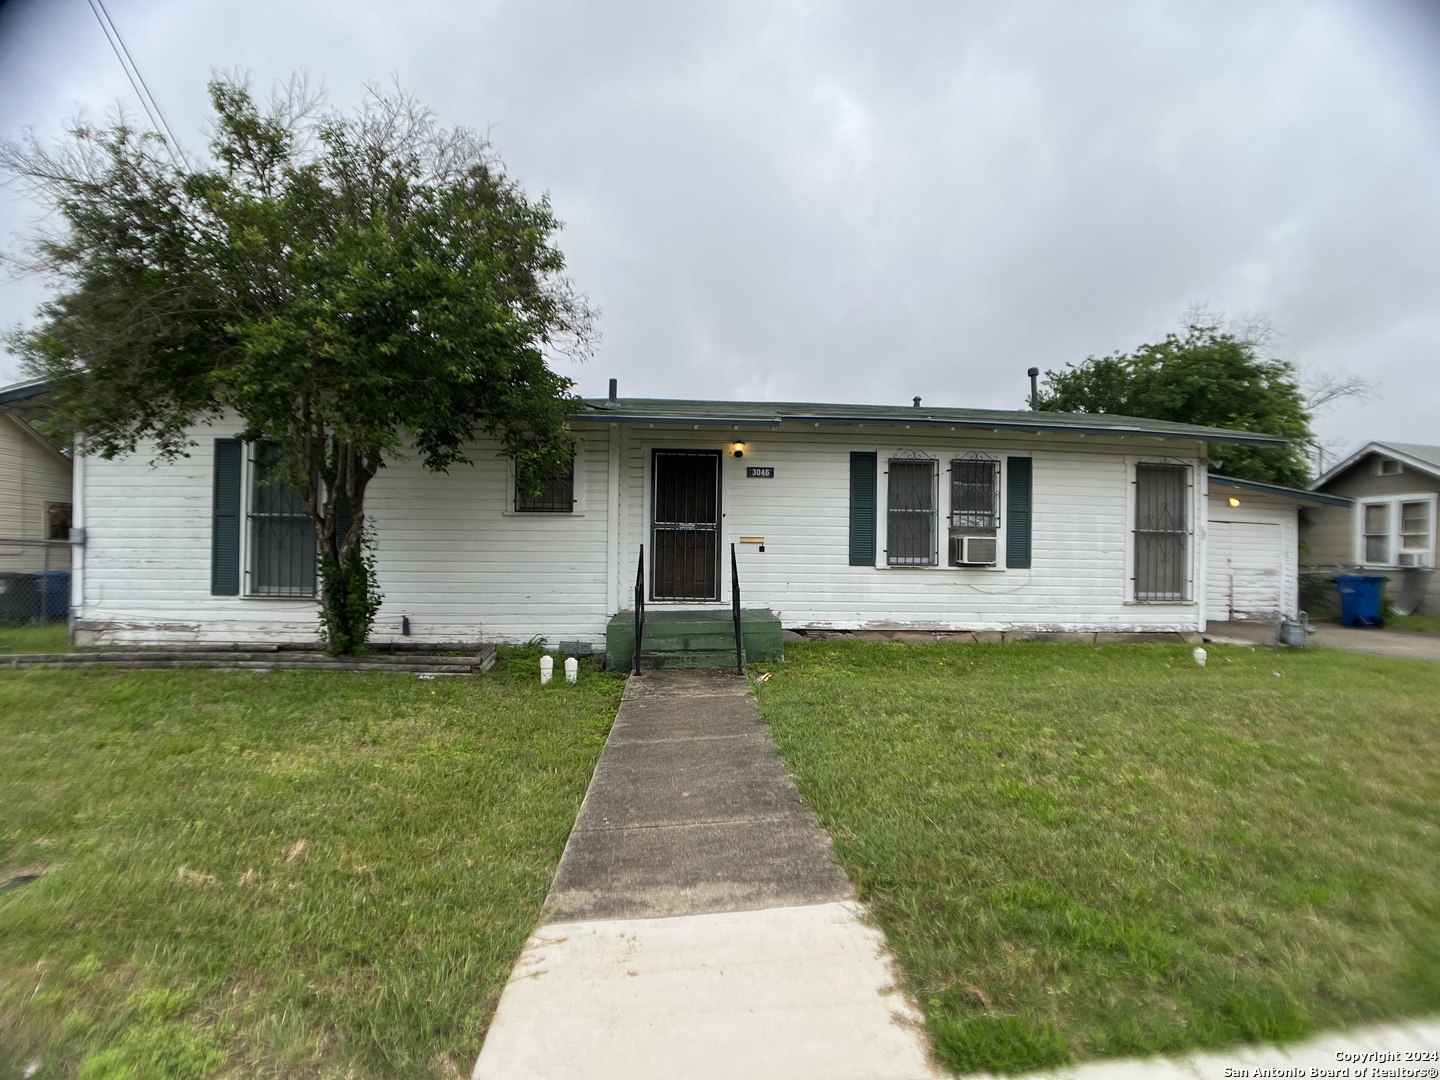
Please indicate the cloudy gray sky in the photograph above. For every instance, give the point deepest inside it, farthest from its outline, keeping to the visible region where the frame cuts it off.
(864, 202)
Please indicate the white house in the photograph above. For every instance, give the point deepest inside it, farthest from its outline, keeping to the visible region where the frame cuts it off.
(842, 517)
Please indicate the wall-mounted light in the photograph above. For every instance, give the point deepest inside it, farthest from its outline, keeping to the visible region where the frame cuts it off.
(737, 449)
(1233, 501)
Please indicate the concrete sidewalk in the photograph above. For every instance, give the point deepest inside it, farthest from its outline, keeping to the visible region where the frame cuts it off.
(699, 925)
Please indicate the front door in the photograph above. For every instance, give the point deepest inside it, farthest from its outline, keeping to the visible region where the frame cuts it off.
(685, 531)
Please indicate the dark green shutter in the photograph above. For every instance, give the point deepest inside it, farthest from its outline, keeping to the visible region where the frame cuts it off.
(1017, 512)
(862, 508)
(225, 520)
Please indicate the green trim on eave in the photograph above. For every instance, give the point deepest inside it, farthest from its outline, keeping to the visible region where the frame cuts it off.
(773, 415)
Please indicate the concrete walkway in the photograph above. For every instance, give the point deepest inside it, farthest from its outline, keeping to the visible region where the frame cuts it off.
(1379, 642)
(698, 925)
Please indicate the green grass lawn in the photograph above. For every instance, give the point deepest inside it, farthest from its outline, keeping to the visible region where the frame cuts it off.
(35, 637)
(1425, 624)
(276, 874)
(1082, 852)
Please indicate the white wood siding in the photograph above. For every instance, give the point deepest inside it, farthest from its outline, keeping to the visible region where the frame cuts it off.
(1253, 556)
(453, 559)
(450, 555)
(1080, 574)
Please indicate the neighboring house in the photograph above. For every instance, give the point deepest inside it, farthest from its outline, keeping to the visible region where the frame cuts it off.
(842, 516)
(1390, 529)
(1253, 547)
(35, 488)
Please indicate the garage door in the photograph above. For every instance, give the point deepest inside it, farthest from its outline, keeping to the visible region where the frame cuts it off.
(1244, 571)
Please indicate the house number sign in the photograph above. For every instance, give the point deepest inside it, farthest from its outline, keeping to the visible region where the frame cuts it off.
(764, 472)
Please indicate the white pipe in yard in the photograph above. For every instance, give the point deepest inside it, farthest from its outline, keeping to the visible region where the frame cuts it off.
(572, 669)
(547, 669)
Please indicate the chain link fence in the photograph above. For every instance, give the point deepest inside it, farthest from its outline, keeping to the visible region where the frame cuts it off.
(34, 581)
(1319, 598)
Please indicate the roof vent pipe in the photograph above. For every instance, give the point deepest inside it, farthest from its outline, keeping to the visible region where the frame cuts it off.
(1034, 374)
(614, 388)
(917, 403)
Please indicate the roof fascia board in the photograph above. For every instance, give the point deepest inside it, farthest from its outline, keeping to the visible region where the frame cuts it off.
(1056, 429)
(680, 421)
(26, 391)
(1278, 490)
(1243, 439)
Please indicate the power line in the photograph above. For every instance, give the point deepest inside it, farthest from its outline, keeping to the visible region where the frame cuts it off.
(137, 80)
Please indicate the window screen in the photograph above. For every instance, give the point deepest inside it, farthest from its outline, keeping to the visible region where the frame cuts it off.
(1415, 527)
(1377, 533)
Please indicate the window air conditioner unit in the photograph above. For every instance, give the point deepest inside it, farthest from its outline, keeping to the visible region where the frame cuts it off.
(1409, 558)
(972, 550)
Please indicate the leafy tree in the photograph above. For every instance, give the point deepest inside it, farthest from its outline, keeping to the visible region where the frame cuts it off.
(354, 286)
(1206, 376)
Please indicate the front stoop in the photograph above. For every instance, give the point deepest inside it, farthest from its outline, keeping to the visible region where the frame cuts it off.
(693, 639)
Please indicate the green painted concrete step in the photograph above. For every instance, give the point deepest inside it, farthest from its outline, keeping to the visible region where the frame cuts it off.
(693, 638)
(688, 658)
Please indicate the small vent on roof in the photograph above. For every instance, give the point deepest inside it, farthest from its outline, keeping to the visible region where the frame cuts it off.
(917, 403)
(1389, 467)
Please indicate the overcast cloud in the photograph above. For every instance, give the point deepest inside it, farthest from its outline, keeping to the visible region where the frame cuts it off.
(844, 202)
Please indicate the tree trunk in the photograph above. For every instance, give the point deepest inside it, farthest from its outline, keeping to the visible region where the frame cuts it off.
(349, 598)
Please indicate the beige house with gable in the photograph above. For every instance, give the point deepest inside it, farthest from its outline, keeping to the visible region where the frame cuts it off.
(1392, 527)
(35, 498)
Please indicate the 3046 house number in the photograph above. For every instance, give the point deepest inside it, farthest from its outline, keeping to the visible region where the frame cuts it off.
(762, 472)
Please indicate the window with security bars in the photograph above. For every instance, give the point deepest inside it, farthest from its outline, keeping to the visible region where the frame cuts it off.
(282, 538)
(911, 513)
(555, 496)
(1162, 532)
(974, 511)
(975, 494)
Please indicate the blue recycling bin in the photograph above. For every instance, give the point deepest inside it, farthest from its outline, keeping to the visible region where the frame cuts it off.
(52, 595)
(1360, 598)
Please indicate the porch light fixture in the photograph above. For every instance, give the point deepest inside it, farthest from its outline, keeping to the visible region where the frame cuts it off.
(1233, 501)
(738, 449)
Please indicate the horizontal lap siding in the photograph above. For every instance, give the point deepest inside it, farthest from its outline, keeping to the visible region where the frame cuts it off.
(31, 478)
(1078, 579)
(147, 557)
(448, 556)
(1258, 553)
(452, 559)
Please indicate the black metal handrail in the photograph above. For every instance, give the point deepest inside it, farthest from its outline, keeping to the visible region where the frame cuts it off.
(735, 610)
(639, 608)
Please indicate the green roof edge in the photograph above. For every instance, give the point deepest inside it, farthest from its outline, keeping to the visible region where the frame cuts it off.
(772, 414)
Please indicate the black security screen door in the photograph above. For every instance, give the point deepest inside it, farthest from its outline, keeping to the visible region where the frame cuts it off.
(686, 547)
